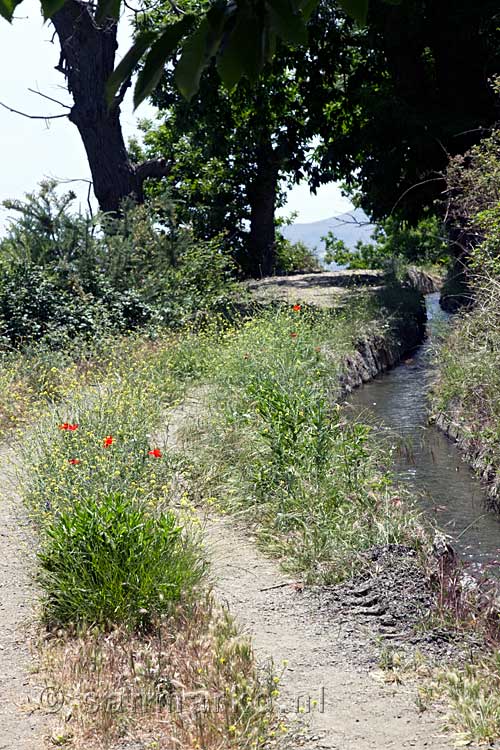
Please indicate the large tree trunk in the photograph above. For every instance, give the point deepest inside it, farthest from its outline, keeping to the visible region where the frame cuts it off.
(262, 198)
(87, 60)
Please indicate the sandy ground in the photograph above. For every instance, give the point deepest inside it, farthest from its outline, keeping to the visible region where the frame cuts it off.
(326, 289)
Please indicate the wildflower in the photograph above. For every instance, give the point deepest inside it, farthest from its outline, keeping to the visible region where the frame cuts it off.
(68, 426)
(293, 335)
(297, 308)
(156, 452)
(108, 440)
(74, 461)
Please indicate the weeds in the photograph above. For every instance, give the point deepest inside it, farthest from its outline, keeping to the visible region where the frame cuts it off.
(277, 447)
(192, 679)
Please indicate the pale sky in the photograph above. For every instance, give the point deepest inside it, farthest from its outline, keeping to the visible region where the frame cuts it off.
(31, 150)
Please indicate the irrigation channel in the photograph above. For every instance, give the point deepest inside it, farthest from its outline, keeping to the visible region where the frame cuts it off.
(428, 462)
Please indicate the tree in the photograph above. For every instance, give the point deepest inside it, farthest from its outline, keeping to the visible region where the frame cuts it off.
(242, 145)
(241, 34)
(413, 91)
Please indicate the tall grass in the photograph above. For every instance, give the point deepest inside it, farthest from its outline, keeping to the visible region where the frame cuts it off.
(274, 444)
(467, 389)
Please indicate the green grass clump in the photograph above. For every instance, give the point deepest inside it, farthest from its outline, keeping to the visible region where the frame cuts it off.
(110, 561)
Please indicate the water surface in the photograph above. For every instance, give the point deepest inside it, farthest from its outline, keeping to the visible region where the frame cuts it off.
(431, 466)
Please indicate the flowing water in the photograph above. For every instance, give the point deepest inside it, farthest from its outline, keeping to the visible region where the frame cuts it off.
(430, 464)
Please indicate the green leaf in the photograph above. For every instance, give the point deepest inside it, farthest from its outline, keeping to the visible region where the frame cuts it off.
(358, 9)
(127, 65)
(158, 55)
(240, 54)
(286, 22)
(108, 9)
(196, 54)
(49, 7)
(7, 8)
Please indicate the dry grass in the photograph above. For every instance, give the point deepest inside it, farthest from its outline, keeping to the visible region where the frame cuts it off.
(191, 683)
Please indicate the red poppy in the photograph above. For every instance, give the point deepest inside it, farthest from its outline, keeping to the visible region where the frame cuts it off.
(108, 440)
(156, 452)
(293, 335)
(68, 426)
(297, 308)
(74, 461)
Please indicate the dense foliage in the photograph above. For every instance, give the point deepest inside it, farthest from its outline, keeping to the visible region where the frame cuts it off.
(425, 243)
(62, 273)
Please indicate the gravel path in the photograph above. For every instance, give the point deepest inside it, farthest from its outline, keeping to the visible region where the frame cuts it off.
(21, 724)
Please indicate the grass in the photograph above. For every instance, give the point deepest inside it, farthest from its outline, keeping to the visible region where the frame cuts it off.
(191, 681)
(121, 567)
(108, 561)
(275, 446)
(103, 490)
(468, 386)
(472, 694)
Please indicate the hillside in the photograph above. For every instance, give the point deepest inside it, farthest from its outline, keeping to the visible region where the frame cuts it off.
(349, 227)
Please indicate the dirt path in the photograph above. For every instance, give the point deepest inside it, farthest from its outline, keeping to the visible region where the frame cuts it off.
(326, 661)
(331, 659)
(20, 727)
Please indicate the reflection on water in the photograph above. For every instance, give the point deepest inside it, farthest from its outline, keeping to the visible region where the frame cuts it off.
(431, 465)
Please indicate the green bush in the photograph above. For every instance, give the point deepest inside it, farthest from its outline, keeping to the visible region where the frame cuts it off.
(424, 243)
(110, 562)
(64, 274)
(295, 257)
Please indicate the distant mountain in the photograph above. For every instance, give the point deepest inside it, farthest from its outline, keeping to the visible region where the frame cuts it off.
(349, 227)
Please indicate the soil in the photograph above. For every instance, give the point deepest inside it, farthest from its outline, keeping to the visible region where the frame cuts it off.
(323, 641)
(21, 723)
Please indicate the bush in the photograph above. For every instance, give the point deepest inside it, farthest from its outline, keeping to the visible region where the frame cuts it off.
(424, 243)
(295, 257)
(68, 275)
(110, 562)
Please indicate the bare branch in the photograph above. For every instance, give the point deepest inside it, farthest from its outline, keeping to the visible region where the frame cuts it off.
(123, 90)
(56, 101)
(32, 117)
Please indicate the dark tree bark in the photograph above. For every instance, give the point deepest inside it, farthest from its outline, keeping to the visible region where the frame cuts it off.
(87, 60)
(262, 199)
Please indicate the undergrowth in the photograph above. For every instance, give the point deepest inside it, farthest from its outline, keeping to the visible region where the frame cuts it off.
(275, 446)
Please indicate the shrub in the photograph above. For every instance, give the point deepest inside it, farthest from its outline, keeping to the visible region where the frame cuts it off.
(110, 562)
(64, 275)
(424, 243)
(295, 257)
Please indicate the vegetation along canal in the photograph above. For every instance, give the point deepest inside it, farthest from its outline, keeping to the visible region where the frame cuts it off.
(429, 464)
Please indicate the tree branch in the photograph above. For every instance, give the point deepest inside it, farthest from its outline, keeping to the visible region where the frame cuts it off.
(153, 168)
(56, 101)
(32, 117)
